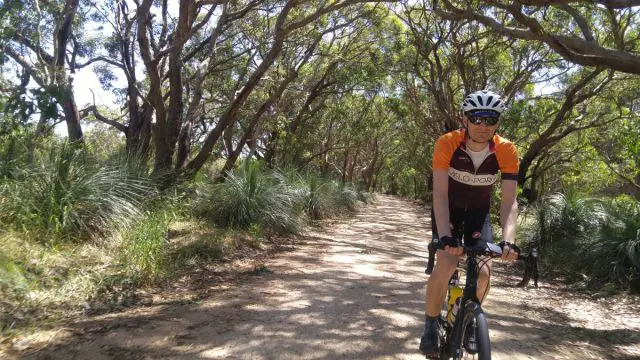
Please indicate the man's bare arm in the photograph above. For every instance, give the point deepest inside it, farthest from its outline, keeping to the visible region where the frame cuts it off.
(509, 210)
(441, 201)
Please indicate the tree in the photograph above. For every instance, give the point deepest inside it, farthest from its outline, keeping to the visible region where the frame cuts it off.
(546, 21)
(586, 101)
(454, 57)
(46, 42)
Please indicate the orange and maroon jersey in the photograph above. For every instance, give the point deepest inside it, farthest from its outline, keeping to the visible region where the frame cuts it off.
(470, 188)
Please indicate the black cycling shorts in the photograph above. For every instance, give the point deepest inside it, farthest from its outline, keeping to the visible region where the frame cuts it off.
(471, 225)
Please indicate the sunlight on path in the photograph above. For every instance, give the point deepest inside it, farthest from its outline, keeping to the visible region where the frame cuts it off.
(353, 290)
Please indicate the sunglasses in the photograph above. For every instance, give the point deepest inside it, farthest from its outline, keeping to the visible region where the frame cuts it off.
(489, 120)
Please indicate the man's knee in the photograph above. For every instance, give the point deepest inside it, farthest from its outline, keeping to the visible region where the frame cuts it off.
(446, 264)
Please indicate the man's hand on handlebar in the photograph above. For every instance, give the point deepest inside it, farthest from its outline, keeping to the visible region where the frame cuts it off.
(451, 246)
(510, 251)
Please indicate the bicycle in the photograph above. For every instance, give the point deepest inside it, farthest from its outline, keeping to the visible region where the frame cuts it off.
(462, 312)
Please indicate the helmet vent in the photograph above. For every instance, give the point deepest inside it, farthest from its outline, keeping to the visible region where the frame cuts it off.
(480, 100)
(472, 103)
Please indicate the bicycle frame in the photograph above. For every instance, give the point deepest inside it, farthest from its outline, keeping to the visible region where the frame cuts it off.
(451, 335)
(469, 295)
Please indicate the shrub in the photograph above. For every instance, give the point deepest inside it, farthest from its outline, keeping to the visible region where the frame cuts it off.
(64, 197)
(251, 196)
(599, 238)
(144, 247)
(612, 254)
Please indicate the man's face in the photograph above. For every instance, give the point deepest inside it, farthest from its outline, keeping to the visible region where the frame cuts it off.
(482, 132)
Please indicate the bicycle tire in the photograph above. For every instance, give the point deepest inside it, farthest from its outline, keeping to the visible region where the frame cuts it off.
(473, 312)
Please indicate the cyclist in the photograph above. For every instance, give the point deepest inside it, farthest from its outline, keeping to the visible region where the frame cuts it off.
(465, 167)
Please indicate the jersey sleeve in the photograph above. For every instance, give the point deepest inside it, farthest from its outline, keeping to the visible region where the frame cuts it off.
(442, 153)
(508, 160)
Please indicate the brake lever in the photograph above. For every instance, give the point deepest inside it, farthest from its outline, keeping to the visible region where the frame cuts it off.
(495, 249)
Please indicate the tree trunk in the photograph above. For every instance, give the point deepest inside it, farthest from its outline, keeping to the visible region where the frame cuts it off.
(71, 115)
(353, 165)
(344, 166)
(173, 130)
(68, 100)
(272, 146)
(255, 122)
(229, 117)
(139, 131)
(393, 188)
(370, 171)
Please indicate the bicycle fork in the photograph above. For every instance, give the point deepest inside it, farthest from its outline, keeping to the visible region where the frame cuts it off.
(468, 297)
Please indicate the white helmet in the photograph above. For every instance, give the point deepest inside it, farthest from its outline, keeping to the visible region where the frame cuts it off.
(483, 100)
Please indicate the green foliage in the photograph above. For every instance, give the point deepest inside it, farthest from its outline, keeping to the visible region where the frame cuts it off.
(316, 204)
(612, 254)
(41, 282)
(598, 238)
(144, 247)
(258, 200)
(567, 218)
(65, 197)
(324, 199)
(249, 196)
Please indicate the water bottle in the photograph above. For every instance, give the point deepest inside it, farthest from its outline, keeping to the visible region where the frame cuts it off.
(454, 302)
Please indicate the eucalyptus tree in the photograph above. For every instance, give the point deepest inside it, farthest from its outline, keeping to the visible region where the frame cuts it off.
(272, 104)
(616, 147)
(167, 103)
(585, 99)
(295, 56)
(455, 57)
(601, 33)
(620, 153)
(319, 116)
(46, 39)
(452, 57)
(291, 16)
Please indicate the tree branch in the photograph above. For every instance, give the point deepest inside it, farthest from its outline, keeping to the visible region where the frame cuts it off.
(25, 65)
(608, 162)
(46, 58)
(581, 21)
(614, 4)
(94, 110)
(571, 48)
(100, 58)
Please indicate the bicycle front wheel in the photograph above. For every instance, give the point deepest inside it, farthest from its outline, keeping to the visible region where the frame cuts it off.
(474, 323)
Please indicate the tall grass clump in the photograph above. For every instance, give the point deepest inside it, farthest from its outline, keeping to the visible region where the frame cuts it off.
(593, 240)
(612, 254)
(41, 283)
(144, 252)
(64, 196)
(250, 196)
(365, 197)
(14, 286)
(567, 219)
(324, 198)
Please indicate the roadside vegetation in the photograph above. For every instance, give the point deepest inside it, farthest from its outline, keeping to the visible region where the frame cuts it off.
(215, 126)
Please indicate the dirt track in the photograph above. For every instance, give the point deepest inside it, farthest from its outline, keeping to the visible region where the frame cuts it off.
(354, 290)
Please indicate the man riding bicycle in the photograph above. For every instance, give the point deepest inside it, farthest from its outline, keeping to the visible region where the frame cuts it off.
(465, 167)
